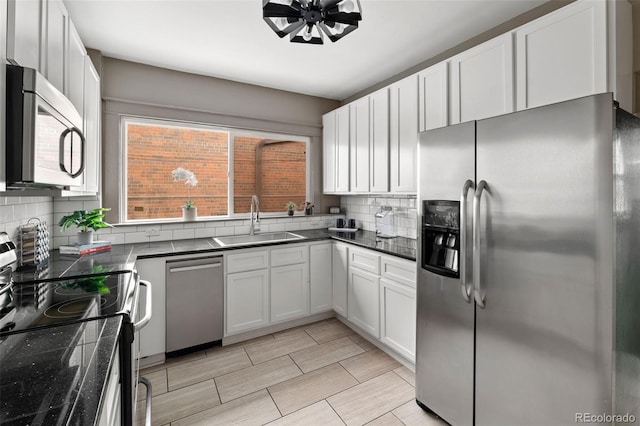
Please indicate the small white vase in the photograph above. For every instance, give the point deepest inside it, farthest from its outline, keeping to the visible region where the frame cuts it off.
(189, 214)
(85, 237)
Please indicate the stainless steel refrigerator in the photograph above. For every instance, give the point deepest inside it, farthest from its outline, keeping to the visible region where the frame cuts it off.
(529, 267)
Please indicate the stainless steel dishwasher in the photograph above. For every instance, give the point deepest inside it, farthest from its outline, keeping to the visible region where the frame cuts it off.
(195, 303)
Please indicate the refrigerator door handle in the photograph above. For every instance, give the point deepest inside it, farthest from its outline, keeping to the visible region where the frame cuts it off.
(466, 287)
(478, 293)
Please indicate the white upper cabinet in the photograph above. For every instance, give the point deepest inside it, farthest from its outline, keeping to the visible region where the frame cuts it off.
(329, 152)
(335, 137)
(379, 136)
(54, 54)
(24, 21)
(76, 69)
(359, 141)
(403, 135)
(92, 125)
(562, 55)
(433, 97)
(482, 81)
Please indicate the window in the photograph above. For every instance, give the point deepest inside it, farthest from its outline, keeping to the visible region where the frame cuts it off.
(230, 165)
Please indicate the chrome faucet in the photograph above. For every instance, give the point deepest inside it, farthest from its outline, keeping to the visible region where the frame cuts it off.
(255, 222)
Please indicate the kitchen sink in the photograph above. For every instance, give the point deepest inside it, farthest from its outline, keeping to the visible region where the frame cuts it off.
(247, 240)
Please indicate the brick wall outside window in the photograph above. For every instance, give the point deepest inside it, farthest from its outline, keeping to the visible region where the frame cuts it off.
(154, 151)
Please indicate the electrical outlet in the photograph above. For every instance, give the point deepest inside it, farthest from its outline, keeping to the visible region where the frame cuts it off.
(152, 232)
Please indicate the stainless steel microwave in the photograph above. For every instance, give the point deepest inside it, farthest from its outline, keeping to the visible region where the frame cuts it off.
(45, 144)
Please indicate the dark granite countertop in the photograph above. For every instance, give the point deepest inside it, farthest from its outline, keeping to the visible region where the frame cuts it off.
(56, 375)
(122, 257)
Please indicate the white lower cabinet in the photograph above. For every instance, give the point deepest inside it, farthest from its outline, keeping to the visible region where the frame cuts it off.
(364, 301)
(398, 316)
(247, 297)
(319, 279)
(339, 275)
(289, 292)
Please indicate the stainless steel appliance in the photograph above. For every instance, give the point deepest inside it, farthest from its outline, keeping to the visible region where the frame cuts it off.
(195, 303)
(72, 300)
(45, 146)
(536, 322)
(385, 222)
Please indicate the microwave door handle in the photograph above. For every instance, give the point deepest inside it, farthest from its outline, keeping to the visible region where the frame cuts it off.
(82, 143)
(63, 138)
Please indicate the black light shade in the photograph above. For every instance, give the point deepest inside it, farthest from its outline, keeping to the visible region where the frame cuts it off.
(306, 20)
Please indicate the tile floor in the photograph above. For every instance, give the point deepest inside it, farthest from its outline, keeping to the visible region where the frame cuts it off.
(318, 374)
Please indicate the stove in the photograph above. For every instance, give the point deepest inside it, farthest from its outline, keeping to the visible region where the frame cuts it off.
(80, 296)
(53, 303)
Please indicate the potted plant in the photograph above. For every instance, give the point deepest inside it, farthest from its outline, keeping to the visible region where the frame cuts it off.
(291, 206)
(87, 221)
(189, 209)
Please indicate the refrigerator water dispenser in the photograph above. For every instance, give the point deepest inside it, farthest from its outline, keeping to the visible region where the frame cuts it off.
(440, 237)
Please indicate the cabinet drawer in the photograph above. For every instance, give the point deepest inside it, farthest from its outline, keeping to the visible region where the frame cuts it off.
(399, 270)
(365, 260)
(247, 261)
(289, 255)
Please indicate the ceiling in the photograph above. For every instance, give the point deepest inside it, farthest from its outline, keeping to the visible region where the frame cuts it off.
(229, 39)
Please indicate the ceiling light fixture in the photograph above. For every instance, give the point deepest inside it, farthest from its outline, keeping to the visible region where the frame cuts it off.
(303, 19)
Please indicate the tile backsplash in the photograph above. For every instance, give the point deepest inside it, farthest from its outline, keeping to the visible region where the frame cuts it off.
(127, 234)
(17, 210)
(364, 208)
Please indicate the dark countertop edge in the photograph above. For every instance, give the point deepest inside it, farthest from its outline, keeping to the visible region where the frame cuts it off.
(316, 235)
(104, 354)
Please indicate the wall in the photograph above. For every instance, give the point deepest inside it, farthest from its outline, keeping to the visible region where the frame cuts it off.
(364, 208)
(142, 90)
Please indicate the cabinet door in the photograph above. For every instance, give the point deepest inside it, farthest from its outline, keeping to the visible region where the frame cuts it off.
(342, 149)
(403, 134)
(289, 254)
(562, 55)
(56, 43)
(359, 145)
(379, 134)
(329, 153)
(319, 280)
(24, 20)
(339, 274)
(433, 101)
(153, 335)
(247, 300)
(289, 292)
(92, 126)
(364, 301)
(74, 79)
(482, 81)
(398, 317)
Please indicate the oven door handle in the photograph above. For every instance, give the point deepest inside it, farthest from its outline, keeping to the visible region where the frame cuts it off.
(147, 314)
(147, 413)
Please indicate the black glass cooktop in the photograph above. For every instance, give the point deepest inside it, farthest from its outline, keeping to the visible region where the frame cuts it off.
(53, 303)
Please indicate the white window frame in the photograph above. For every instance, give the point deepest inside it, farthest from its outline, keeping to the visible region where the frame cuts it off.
(231, 134)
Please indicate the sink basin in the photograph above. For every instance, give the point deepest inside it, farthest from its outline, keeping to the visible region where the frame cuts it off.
(247, 240)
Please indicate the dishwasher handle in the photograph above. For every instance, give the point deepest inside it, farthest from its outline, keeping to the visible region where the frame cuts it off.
(195, 267)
